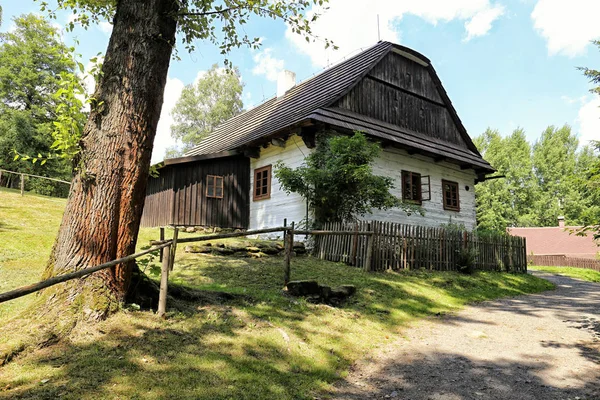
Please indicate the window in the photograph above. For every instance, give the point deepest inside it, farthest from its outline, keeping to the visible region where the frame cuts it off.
(262, 183)
(450, 193)
(411, 186)
(214, 186)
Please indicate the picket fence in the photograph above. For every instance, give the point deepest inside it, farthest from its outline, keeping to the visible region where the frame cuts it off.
(398, 246)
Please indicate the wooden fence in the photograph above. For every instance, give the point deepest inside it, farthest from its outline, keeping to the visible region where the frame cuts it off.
(564, 261)
(21, 177)
(397, 246)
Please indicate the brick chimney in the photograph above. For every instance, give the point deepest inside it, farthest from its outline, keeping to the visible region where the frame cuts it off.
(285, 81)
(561, 222)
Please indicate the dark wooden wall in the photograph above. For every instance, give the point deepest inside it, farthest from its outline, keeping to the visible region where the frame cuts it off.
(402, 92)
(188, 204)
(159, 199)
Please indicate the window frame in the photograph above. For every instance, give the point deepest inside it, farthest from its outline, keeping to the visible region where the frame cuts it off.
(266, 195)
(445, 198)
(409, 175)
(214, 179)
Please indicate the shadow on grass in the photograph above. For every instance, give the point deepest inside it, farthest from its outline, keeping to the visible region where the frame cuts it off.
(274, 347)
(453, 376)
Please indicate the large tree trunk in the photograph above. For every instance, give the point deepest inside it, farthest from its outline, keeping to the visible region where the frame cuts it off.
(104, 209)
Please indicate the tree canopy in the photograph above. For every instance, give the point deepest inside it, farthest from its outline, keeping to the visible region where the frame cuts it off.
(205, 104)
(541, 183)
(33, 64)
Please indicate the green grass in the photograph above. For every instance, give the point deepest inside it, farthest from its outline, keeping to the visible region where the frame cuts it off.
(268, 347)
(579, 273)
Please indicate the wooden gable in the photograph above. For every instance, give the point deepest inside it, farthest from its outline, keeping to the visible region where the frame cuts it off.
(405, 93)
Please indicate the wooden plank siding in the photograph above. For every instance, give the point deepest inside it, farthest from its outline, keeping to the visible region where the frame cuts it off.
(401, 92)
(178, 195)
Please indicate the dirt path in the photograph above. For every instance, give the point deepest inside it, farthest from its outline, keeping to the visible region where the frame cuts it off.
(544, 346)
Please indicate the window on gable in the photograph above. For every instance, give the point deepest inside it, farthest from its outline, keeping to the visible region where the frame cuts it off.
(262, 183)
(214, 186)
(450, 195)
(411, 187)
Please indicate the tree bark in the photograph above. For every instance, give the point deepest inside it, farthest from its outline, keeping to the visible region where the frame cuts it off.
(103, 212)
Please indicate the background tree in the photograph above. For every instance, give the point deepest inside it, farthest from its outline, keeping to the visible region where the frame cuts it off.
(508, 201)
(592, 175)
(33, 62)
(337, 179)
(205, 104)
(102, 216)
(541, 182)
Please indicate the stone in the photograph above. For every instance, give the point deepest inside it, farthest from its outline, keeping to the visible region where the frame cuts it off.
(257, 255)
(325, 292)
(252, 249)
(221, 245)
(270, 250)
(190, 229)
(238, 249)
(304, 288)
(223, 251)
(198, 249)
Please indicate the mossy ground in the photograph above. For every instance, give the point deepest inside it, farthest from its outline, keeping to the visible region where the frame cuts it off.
(268, 346)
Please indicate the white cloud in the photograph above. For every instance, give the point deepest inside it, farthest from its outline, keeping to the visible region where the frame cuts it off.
(163, 139)
(105, 27)
(588, 119)
(567, 26)
(352, 24)
(267, 65)
(481, 23)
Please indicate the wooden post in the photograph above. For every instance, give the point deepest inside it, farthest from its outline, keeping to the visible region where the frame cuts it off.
(173, 249)
(289, 246)
(164, 282)
(162, 237)
(355, 244)
(369, 255)
(22, 185)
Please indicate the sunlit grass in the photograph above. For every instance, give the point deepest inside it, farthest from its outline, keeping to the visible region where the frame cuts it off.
(267, 346)
(580, 273)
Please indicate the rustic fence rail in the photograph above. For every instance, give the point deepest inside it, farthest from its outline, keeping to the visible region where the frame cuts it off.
(22, 177)
(398, 246)
(563, 261)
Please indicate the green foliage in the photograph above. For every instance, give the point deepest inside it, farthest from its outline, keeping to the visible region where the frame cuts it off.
(204, 105)
(218, 22)
(34, 64)
(541, 182)
(337, 179)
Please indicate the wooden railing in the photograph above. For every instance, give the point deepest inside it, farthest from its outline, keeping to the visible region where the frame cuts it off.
(391, 246)
(23, 175)
(564, 261)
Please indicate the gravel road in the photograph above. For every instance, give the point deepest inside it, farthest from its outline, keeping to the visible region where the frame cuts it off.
(543, 346)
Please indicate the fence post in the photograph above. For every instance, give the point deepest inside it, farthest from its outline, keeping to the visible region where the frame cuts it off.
(164, 282)
(369, 255)
(173, 248)
(289, 245)
(162, 237)
(22, 185)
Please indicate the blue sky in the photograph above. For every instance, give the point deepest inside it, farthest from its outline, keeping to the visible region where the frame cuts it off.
(505, 64)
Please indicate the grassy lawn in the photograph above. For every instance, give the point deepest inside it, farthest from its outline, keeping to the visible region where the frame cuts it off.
(266, 347)
(580, 273)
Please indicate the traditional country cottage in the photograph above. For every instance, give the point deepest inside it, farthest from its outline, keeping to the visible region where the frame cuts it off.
(389, 92)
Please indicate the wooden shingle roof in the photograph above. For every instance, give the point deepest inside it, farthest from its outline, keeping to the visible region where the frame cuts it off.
(313, 99)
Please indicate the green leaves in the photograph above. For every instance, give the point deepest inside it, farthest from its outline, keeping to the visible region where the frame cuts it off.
(202, 106)
(337, 179)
